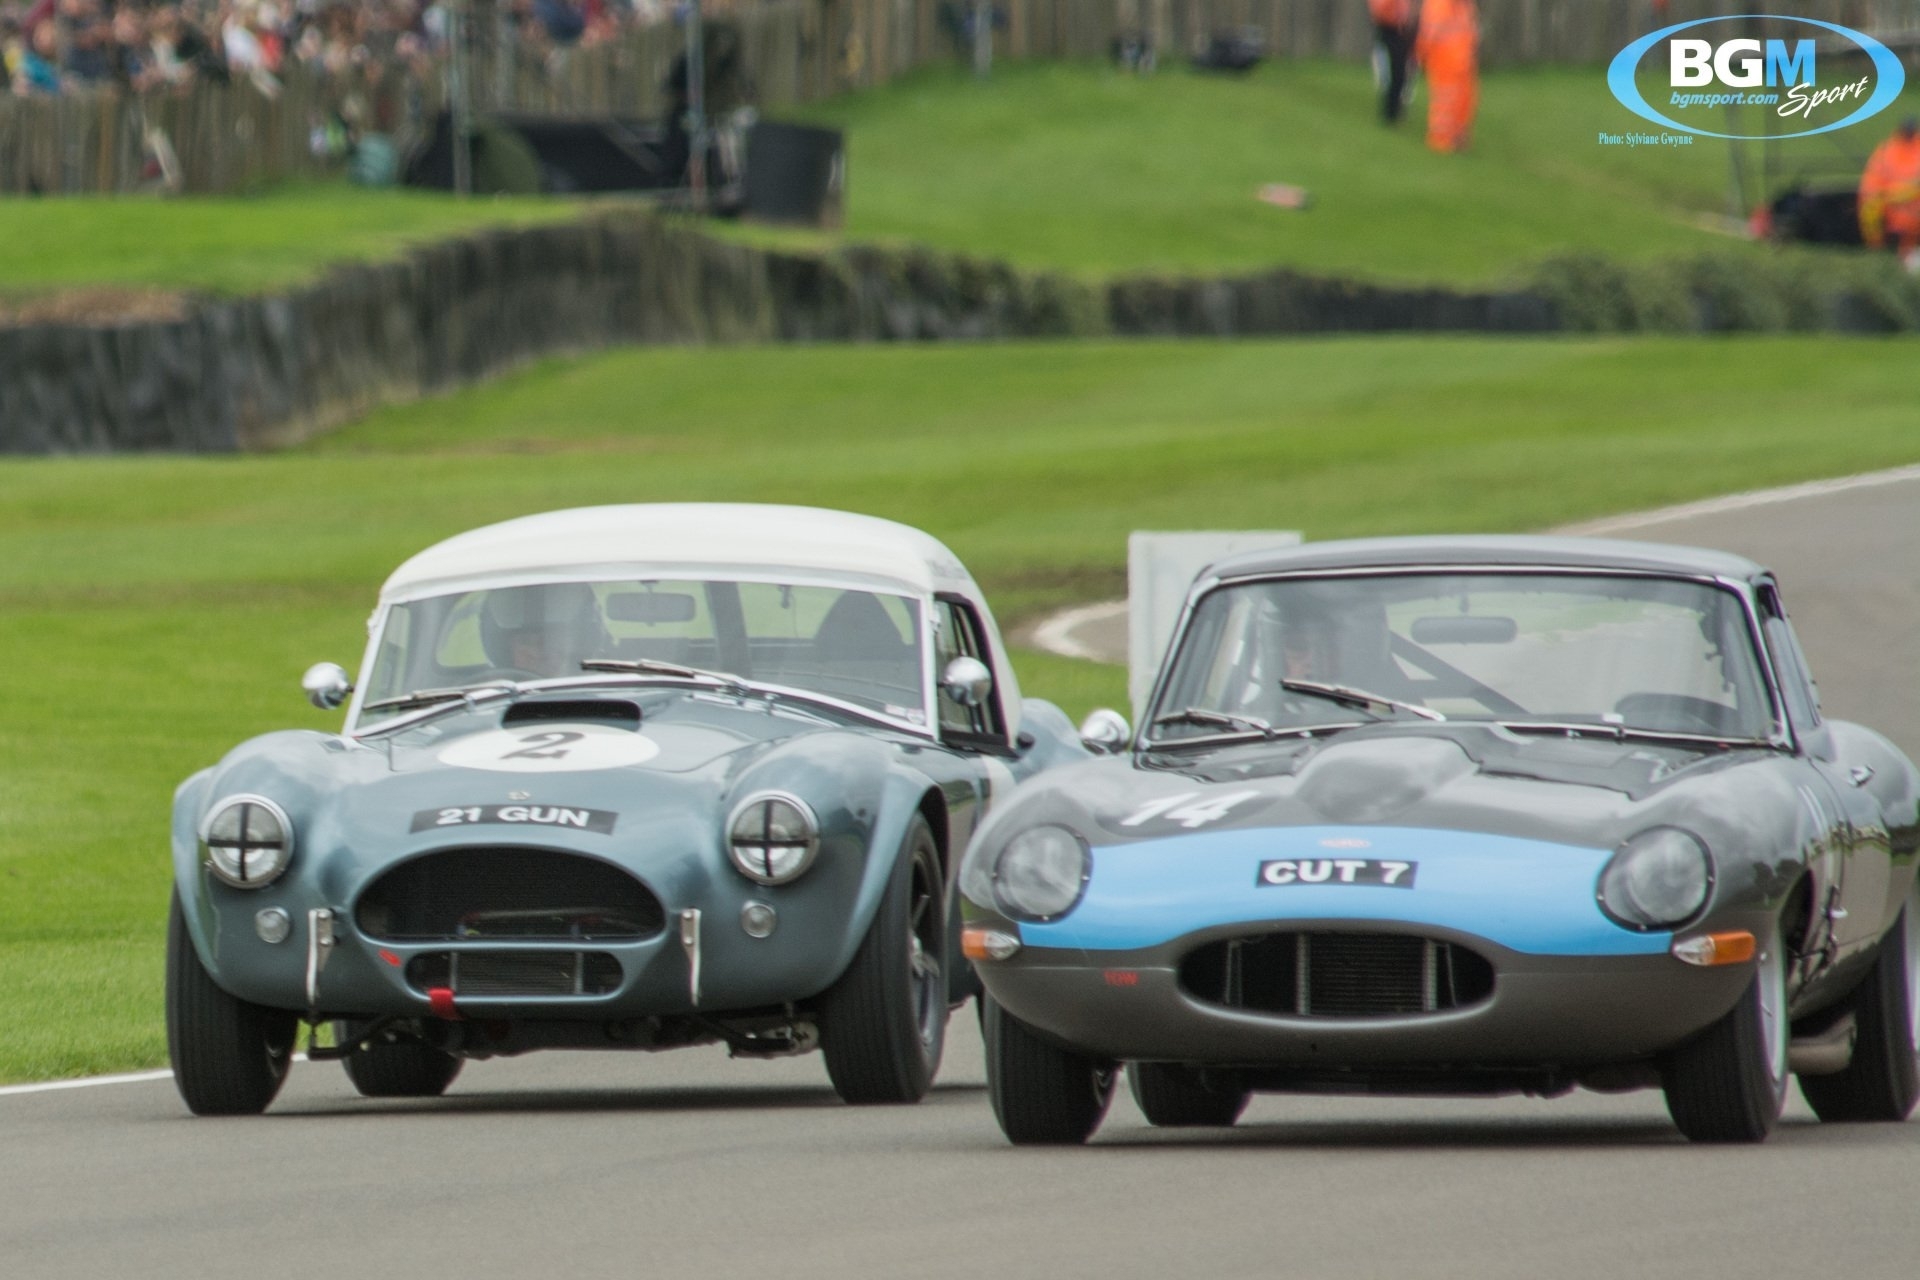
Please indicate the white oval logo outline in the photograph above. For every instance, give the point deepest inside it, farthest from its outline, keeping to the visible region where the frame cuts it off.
(1890, 72)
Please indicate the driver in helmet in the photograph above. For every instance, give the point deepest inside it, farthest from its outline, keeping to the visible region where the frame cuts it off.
(540, 631)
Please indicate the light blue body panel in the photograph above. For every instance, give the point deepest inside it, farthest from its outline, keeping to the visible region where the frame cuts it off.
(1530, 896)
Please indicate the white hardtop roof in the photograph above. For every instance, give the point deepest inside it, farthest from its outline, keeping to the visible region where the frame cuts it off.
(671, 539)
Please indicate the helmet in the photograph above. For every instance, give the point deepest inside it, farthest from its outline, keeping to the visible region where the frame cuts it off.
(546, 629)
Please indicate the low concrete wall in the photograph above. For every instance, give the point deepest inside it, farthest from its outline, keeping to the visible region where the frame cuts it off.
(253, 373)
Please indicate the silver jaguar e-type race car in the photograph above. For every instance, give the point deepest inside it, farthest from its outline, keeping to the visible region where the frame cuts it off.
(623, 777)
(1462, 816)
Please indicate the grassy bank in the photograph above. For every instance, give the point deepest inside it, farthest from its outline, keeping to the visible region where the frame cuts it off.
(1080, 167)
(161, 609)
(231, 245)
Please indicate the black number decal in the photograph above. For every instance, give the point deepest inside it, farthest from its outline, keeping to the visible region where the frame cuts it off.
(544, 746)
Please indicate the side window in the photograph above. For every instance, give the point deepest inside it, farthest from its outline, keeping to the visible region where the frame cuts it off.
(958, 634)
(1803, 700)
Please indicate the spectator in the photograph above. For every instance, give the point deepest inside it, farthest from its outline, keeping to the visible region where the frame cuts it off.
(563, 20)
(129, 50)
(180, 51)
(39, 70)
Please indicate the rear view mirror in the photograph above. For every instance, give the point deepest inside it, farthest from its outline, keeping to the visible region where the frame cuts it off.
(651, 607)
(1464, 629)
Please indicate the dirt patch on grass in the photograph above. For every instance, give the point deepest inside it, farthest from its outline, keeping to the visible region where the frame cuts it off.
(99, 307)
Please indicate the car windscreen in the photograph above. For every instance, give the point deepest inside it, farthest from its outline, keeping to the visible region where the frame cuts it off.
(862, 647)
(1640, 652)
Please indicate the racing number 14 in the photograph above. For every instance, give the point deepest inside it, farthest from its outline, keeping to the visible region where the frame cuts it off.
(1191, 816)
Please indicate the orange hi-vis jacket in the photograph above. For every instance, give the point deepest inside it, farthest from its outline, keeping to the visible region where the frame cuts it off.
(1893, 172)
(1391, 13)
(1449, 39)
(1890, 194)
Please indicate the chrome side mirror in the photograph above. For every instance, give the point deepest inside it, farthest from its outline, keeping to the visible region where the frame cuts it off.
(327, 685)
(967, 681)
(1105, 732)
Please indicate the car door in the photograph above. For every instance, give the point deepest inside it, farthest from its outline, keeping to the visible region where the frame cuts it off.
(1856, 838)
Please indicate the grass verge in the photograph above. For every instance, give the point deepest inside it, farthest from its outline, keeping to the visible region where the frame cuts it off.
(232, 244)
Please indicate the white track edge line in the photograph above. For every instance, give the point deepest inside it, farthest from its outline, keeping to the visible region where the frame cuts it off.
(84, 1082)
(1742, 501)
(88, 1082)
(1055, 635)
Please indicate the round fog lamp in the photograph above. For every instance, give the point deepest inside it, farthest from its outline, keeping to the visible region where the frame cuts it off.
(273, 925)
(758, 920)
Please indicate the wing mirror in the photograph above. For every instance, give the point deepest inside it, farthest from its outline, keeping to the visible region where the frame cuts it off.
(1105, 732)
(327, 685)
(967, 681)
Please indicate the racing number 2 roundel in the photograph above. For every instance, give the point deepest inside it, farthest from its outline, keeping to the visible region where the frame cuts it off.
(559, 748)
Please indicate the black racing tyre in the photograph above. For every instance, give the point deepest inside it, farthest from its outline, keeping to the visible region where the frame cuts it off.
(1882, 1082)
(398, 1068)
(1171, 1096)
(229, 1057)
(1042, 1095)
(884, 1022)
(1729, 1083)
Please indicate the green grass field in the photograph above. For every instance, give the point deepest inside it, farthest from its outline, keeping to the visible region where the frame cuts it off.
(231, 245)
(160, 609)
(1082, 167)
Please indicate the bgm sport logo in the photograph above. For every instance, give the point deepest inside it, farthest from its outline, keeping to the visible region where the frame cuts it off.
(1786, 75)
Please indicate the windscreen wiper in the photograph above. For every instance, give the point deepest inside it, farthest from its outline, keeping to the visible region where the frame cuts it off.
(427, 697)
(1224, 719)
(1358, 699)
(655, 667)
(782, 695)
(1623, 732)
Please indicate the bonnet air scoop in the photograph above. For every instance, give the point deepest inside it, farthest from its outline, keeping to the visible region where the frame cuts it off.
(617, 712)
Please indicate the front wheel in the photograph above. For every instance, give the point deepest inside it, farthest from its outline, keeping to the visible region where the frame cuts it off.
(229, 1057)
(1882, 1082)
(394, 1067)
(1171, 1096)
(884, 1023)
(1042, 1095)
(1729, 1083)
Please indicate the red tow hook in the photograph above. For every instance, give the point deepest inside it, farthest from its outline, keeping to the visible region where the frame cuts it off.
(440, 1000)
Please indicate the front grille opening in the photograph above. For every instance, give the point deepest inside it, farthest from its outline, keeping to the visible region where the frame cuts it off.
(1337, 975)
(460, 895)
(515, 973)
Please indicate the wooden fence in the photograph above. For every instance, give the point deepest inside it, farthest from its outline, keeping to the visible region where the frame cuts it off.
(796, 51)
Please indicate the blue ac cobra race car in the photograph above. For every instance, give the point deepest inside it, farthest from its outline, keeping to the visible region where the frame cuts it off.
(621, 778)
(1462, 816)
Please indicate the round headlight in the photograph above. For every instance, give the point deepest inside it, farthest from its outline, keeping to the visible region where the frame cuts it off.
(772, 838)
(1041, 873)
(1657, 880)
(247, 841)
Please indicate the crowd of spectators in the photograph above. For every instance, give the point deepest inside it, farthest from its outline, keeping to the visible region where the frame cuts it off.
(62, 46)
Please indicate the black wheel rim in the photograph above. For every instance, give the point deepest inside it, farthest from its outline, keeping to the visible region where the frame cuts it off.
(926, 928)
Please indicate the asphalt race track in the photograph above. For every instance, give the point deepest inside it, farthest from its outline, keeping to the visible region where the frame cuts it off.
(688, 1164)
